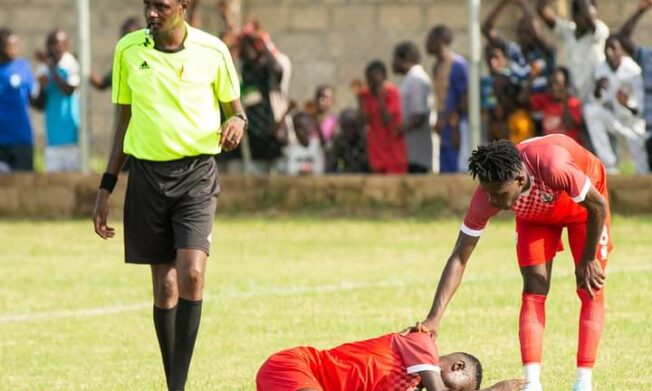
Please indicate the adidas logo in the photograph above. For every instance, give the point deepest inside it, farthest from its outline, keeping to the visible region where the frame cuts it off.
(144, 65)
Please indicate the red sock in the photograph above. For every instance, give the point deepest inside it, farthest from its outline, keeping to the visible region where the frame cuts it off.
(531, 324)
(591, 322)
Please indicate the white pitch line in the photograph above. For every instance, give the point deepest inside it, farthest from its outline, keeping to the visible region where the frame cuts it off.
(280, 291)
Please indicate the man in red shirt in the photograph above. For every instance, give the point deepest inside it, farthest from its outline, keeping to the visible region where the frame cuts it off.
(380, 104)
(561, 112)
(392, 362)
(550, 183)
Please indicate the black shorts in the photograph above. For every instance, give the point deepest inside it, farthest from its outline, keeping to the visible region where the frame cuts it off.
(18, 157)
(169, 206)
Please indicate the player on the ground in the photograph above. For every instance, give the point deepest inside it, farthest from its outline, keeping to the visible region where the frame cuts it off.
(391, 362)
(550, 183)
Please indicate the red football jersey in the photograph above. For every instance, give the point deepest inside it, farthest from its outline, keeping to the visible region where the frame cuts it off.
(561, 174)
(387, 363)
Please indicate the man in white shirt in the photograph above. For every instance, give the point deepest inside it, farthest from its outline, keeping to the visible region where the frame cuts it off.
(584, 39)
(617, 106)
(417, 101)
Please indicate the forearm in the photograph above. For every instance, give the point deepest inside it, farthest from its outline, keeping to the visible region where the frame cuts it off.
(489, 23)
(117, 155)
(596, 215)
(546, 13)
(63, 85)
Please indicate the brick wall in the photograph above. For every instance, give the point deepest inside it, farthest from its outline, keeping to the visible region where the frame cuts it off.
(328, 40)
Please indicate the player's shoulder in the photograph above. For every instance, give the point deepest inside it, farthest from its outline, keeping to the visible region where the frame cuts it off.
(207, 40)
(545, 148)
(136, 38)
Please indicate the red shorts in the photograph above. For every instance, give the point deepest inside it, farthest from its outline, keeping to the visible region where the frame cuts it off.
(290, 370)
(538, 243)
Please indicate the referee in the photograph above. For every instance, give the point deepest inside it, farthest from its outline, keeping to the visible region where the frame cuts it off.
(169, 81)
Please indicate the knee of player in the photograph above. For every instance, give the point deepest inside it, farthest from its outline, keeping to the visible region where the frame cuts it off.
(195, 278)
(167, 288)
(536, 284)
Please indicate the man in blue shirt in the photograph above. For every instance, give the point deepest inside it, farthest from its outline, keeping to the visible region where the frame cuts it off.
(643, 56)
(16, 83)
(58, 78)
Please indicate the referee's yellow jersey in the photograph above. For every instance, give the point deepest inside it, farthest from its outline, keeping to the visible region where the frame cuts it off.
(174, 97)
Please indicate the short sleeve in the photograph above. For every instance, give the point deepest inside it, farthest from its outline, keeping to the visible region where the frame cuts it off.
(418, 352)
(74, 77)
(227, 84)
(121, 93)
(563, 174)
(479, 213)
(563, 28)
(601, 32)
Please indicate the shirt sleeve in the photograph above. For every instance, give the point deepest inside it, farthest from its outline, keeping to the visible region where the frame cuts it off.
(601, 32)
(121, 93)
(418, 352)
(479, 213)
(227, 84)
(563, 28)
(562, 173)
(74, 74)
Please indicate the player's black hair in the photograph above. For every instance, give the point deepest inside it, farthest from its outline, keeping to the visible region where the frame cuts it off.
(564, 71)
(575, 7)
(376, 66)
(443, 32)
(478, 369)
(408, 51)
(319, 92)
(5, 34)
(496, 162)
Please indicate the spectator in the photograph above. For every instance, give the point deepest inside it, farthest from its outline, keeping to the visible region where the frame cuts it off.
(530, 54)
(324, 102)
(58, 77)
(508, 119)
(643, 56)
(261, 75)
(349, 153)
(617, 107)
(561, 111)
(298, 132)
(16, 84)
(103, 82)
(417, 99)
(380, 103)
(584, 39)
(451, 80)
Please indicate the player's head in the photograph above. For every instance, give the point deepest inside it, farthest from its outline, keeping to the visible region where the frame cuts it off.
(304, 125)
(559, 83)
(406, 55)
(350, 123)
(499, 168)
(495, 54)
(324, 98)
(440, 37)
(130, 25)
(57, 43)
(614, 51)
(165, 15)
(8, 45)
(376, 74)
(583, 23)
(461, 371)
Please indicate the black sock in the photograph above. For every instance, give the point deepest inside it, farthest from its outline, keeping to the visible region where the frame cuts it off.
(164, 320)
(187, 325)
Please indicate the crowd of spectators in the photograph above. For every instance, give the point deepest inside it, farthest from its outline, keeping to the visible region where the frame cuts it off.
(600, 95)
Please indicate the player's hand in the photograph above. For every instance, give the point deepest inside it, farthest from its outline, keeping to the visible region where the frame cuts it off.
(232, 132)
(645, 4)
(590, 276)
(509, 385)
(100, 214)
(421, 327)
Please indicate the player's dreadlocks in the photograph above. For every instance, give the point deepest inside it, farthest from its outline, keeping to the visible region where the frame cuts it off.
(499, 161)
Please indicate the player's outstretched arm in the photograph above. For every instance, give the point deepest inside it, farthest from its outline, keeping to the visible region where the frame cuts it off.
(508, 385)
(547, 13)
(432, 381)
(450, 279)
(589, 273)
(116, 160)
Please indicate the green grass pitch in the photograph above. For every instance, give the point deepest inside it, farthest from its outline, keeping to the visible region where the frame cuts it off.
(74, 317)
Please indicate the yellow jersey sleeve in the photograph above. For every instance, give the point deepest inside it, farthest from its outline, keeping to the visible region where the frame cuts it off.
(121, 92)
(227, 84)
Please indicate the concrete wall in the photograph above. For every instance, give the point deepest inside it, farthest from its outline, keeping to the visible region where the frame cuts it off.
(328, 40)
(71, 195)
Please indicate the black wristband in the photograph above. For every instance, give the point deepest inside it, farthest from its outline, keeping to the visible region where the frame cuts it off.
(108, 182)
(242, 116)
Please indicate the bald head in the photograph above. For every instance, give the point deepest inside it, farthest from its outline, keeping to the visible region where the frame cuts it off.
(461, 371)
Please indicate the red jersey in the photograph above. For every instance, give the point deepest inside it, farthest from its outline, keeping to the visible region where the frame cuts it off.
(386, 150)
(561, 174)
(553, 114)
(388, 363)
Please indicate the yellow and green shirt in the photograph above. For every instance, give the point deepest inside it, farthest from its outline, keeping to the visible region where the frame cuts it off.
(174, 97)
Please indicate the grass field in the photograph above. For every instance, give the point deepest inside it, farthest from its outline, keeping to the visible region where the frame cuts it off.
(74, 317)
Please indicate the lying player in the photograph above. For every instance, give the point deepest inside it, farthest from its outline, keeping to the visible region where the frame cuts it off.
(392, 362)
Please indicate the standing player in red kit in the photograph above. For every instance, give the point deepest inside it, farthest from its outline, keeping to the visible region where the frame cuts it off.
(392, 362)
(550, 183)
